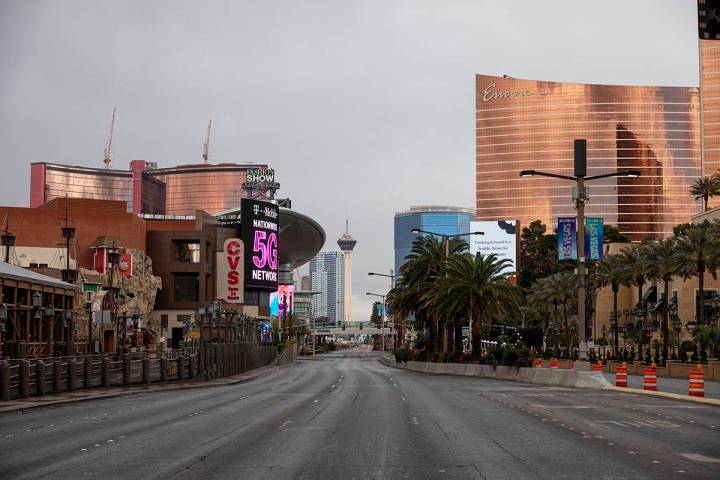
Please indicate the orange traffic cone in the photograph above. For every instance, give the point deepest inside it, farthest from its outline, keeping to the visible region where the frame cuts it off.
(621, 375)
(696, 385)
(554, 363)
(597, 367)
(650, 380)
(538, 363)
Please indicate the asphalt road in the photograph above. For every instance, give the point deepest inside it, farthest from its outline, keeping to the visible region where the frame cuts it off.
(347, 416)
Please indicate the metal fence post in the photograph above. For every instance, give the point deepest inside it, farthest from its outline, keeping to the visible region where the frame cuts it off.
(71, 373)
(163, 369)
(57, 376)
(126, 369)
(4, 380)
(146, 370)
(40, 377)
(106, 371)
(201, 361)
(88, 371)
(191, 366)
(181, 366)
(24, 378)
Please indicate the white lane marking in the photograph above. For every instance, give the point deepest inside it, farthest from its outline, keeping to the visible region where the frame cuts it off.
(655, 461)
(637, 423)
(333, 386)
(415, 420)
(121, 436)
(700, 458)
(96, 445)
(315, 401)
(575, 407)
(83, 449)
(110, 441)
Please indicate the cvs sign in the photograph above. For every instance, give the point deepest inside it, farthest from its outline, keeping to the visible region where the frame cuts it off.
(230, 280)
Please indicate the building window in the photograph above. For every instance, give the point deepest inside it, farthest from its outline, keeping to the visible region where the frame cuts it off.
(187, 251)
(186, 287)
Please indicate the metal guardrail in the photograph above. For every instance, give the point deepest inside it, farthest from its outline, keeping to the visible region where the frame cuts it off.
(19, 378)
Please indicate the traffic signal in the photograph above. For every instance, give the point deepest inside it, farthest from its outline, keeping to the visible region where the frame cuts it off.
(709, 19)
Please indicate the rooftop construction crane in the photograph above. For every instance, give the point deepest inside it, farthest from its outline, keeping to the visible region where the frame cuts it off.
(206, 145)
(108, 145)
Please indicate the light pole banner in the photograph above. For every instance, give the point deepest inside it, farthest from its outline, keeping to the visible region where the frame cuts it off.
(594, 230)
(567, 238)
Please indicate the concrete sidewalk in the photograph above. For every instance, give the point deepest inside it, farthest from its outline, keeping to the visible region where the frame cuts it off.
(114, 392)
(671, 385)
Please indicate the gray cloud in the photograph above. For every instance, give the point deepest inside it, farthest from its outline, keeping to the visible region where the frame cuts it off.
(363, 107)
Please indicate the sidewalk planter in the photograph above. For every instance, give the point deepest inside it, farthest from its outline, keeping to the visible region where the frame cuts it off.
(680, 370)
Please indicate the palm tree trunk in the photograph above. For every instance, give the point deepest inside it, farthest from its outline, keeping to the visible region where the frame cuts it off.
(701, 288)
(567, 329)
(665, 320)
(458, 340)
(641, 333)
(617, 322)
(444, 338)
(476, 337)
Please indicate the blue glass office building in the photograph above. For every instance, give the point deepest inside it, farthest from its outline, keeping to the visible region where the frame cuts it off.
(444, 220)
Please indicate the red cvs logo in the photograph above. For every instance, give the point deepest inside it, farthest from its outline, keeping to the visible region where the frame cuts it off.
(233, 254)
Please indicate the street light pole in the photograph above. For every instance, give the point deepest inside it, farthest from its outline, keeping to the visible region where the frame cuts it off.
(382, 318)
(579, 177)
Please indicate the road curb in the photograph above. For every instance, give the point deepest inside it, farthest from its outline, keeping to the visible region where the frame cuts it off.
(152, 389)
(673, 396)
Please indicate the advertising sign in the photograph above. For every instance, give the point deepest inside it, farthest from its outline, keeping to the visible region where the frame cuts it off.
(567, 238)
(594, 229)
(259, 232)
(500, 237)
(230, 271)
(283, 301)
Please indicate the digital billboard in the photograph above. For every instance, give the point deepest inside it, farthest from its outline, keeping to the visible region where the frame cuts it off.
(500, 237)
(282, 301)
(259, 232)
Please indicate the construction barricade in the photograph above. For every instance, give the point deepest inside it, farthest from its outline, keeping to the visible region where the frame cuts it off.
(621, 375)
(650, 378)
(554, 363)
(696, 384)
(597, 367)
(538, 363)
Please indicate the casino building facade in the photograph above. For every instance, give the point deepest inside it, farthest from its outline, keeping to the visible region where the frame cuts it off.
(530, 124)
(180, 190)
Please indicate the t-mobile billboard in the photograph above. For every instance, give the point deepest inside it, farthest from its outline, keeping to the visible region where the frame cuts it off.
(500, 237)
(259, 228)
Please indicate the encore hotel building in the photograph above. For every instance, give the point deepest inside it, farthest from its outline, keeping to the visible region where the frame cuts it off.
(530, 124)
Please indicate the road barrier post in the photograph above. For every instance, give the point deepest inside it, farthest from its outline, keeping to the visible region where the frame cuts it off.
(538, 363)
(40, 377)
(597, 367)
(696, 384)
(4, 380)
(24, 378)
(621, 375)
(105, 371)
(554, 363)
(650, 378)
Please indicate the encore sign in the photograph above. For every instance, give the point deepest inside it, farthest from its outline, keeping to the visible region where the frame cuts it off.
(230, 269)
(259, 227)
(490, 93)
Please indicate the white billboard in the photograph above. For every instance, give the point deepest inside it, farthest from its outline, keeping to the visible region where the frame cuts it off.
(500, 238)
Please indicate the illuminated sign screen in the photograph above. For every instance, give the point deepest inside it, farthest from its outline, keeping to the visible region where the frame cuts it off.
(282, 302)
(230, 270)
(259, 232)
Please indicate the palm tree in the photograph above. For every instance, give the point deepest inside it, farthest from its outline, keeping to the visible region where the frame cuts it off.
(427, 261)
(704, 188)
(610, 271)
(476, 286)
(632, 268)
(661, 264)
(697, 252)
(562, 291)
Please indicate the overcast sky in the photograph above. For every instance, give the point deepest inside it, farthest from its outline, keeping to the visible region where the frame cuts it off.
(362, 107)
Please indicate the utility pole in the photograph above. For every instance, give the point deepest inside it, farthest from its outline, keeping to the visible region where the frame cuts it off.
(580, 159)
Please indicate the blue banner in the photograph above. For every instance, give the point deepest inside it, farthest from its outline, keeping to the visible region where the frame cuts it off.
(594, 231)
(567, 238)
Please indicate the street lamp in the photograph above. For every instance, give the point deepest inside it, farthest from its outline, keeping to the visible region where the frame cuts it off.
(580, 197)
(383, 315)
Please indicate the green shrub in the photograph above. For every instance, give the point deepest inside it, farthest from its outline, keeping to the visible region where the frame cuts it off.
(510, 357)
